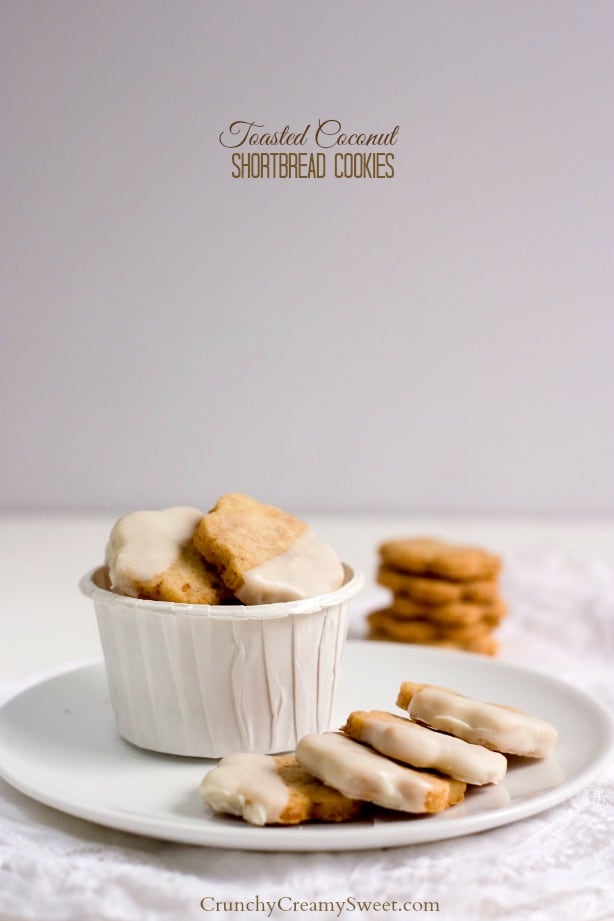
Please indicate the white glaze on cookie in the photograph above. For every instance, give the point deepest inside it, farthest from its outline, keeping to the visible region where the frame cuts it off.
(247, 785)
(420, 747)
(307, 568)
(496, 727)
(143, 544)
(360, 773)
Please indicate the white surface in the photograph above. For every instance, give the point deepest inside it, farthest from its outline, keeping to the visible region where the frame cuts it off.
(559, 582)
(441, 340)
(59, 744)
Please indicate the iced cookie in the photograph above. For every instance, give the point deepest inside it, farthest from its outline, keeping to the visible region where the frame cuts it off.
(428, 590)
(500, 728)
(403, 740)
(361, 773)
(273, 790)
(150, 554)
(425, 556)
(264, 554)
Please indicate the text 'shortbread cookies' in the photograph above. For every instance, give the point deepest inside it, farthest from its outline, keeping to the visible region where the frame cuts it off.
(427, 556)
(416, 745)
(273, 790)
(150, 554)
(361, 773)
(500, 728)
(264, 554)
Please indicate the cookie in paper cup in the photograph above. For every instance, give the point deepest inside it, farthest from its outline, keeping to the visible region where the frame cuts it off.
(207, 680)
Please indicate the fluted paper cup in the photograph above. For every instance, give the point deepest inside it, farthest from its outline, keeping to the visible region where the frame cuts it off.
(208, 680)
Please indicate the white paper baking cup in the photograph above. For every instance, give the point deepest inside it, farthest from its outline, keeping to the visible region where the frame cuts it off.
(209, 680)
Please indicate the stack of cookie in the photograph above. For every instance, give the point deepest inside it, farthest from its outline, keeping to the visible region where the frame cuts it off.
(443, 595)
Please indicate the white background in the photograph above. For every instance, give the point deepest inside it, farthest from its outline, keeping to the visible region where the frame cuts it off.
(437, 342)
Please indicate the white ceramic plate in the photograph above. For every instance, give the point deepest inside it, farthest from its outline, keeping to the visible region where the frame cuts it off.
(58, 744)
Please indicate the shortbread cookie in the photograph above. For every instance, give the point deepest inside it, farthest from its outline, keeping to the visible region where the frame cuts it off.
(273, 790)
(498, 727)
(457, 613)
(426, 556)
(485, 644)
(150, 554)
(264, 554)
(406, 741)
(382, 622)
(360, 773)
(429, 590)
(190, 580)
(422, 631)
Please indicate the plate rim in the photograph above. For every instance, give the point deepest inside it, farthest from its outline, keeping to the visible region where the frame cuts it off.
(323, 837)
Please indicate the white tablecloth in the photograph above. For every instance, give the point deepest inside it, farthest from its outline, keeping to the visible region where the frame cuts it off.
(556, 865)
